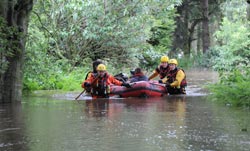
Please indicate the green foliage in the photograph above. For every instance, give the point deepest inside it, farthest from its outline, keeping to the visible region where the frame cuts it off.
(109, 30)
(73, 80)
(3, 43)
(232, 40)
(67, 34)
(162, 31)
(56, 79)
(149, 58)
(44, 71)
(234, 51)
(206, 60)
(233, 88)
(8, 43)
(90, 29)
(231, 56)
(187, 62)
(159, 35)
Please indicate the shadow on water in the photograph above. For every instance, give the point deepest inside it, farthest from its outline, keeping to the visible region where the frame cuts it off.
(182, 123)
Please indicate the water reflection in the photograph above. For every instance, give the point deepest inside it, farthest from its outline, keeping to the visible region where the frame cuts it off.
(148, 122)
(164, 104)
(109, 107)
(11, 128)
(168, 123)
(97, 108)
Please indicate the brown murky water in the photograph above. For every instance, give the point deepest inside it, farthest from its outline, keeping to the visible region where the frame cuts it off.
(172, 123)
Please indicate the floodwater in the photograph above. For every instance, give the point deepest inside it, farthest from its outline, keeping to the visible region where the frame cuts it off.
(173, 123)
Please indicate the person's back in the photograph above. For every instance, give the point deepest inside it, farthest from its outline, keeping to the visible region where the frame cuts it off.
(138, 75)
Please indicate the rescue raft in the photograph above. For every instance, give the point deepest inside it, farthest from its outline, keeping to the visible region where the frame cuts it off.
(139, 89)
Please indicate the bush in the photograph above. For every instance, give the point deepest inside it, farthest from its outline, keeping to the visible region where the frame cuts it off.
(233, 88)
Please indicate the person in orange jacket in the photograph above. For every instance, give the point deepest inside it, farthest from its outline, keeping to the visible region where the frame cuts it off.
(93, 72)
(162, 70)
(100, 83)
(94, 66)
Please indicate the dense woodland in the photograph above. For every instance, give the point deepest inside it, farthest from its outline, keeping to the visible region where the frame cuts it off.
(50, 44)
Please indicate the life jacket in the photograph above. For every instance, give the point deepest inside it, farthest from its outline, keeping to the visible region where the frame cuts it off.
(87, 75)
(101, 88)
(163, 71)
(90, 72)
(172, 76)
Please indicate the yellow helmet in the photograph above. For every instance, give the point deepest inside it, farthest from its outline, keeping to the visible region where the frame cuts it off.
(164, 59)
(101, 67)
(173, 61)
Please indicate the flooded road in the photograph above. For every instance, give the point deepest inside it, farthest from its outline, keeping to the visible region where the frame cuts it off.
(171, 123)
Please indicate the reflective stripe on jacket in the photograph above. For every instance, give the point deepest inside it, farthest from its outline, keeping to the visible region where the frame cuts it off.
(100, 87)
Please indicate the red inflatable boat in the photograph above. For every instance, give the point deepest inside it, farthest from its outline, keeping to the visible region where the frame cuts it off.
(139, 89)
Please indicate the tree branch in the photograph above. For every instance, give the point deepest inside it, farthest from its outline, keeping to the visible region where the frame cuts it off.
(39, 18)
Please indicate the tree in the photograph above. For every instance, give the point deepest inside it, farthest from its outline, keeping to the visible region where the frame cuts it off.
(193, 16)
(180, 42)
(248, 10)
(81, 31)
(232, 40)
(14, 16)
(205, 26)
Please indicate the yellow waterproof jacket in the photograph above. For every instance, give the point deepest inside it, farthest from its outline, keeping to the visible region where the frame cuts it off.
(180, 75)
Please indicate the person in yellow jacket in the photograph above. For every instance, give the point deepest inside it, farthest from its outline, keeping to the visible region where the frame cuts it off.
(162, 70)
(176, 79)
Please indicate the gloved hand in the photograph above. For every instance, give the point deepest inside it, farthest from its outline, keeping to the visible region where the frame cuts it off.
(127, 85)
(86, 84)
(160, 81)
(168, 84)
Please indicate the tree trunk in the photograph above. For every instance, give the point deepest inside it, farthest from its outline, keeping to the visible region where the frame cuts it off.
(15, 13)
(248, 10)
(199, 40)
(205, 26)
(181, 35)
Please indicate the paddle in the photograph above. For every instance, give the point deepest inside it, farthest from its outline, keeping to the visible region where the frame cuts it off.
(80, 94)
(90, 84)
